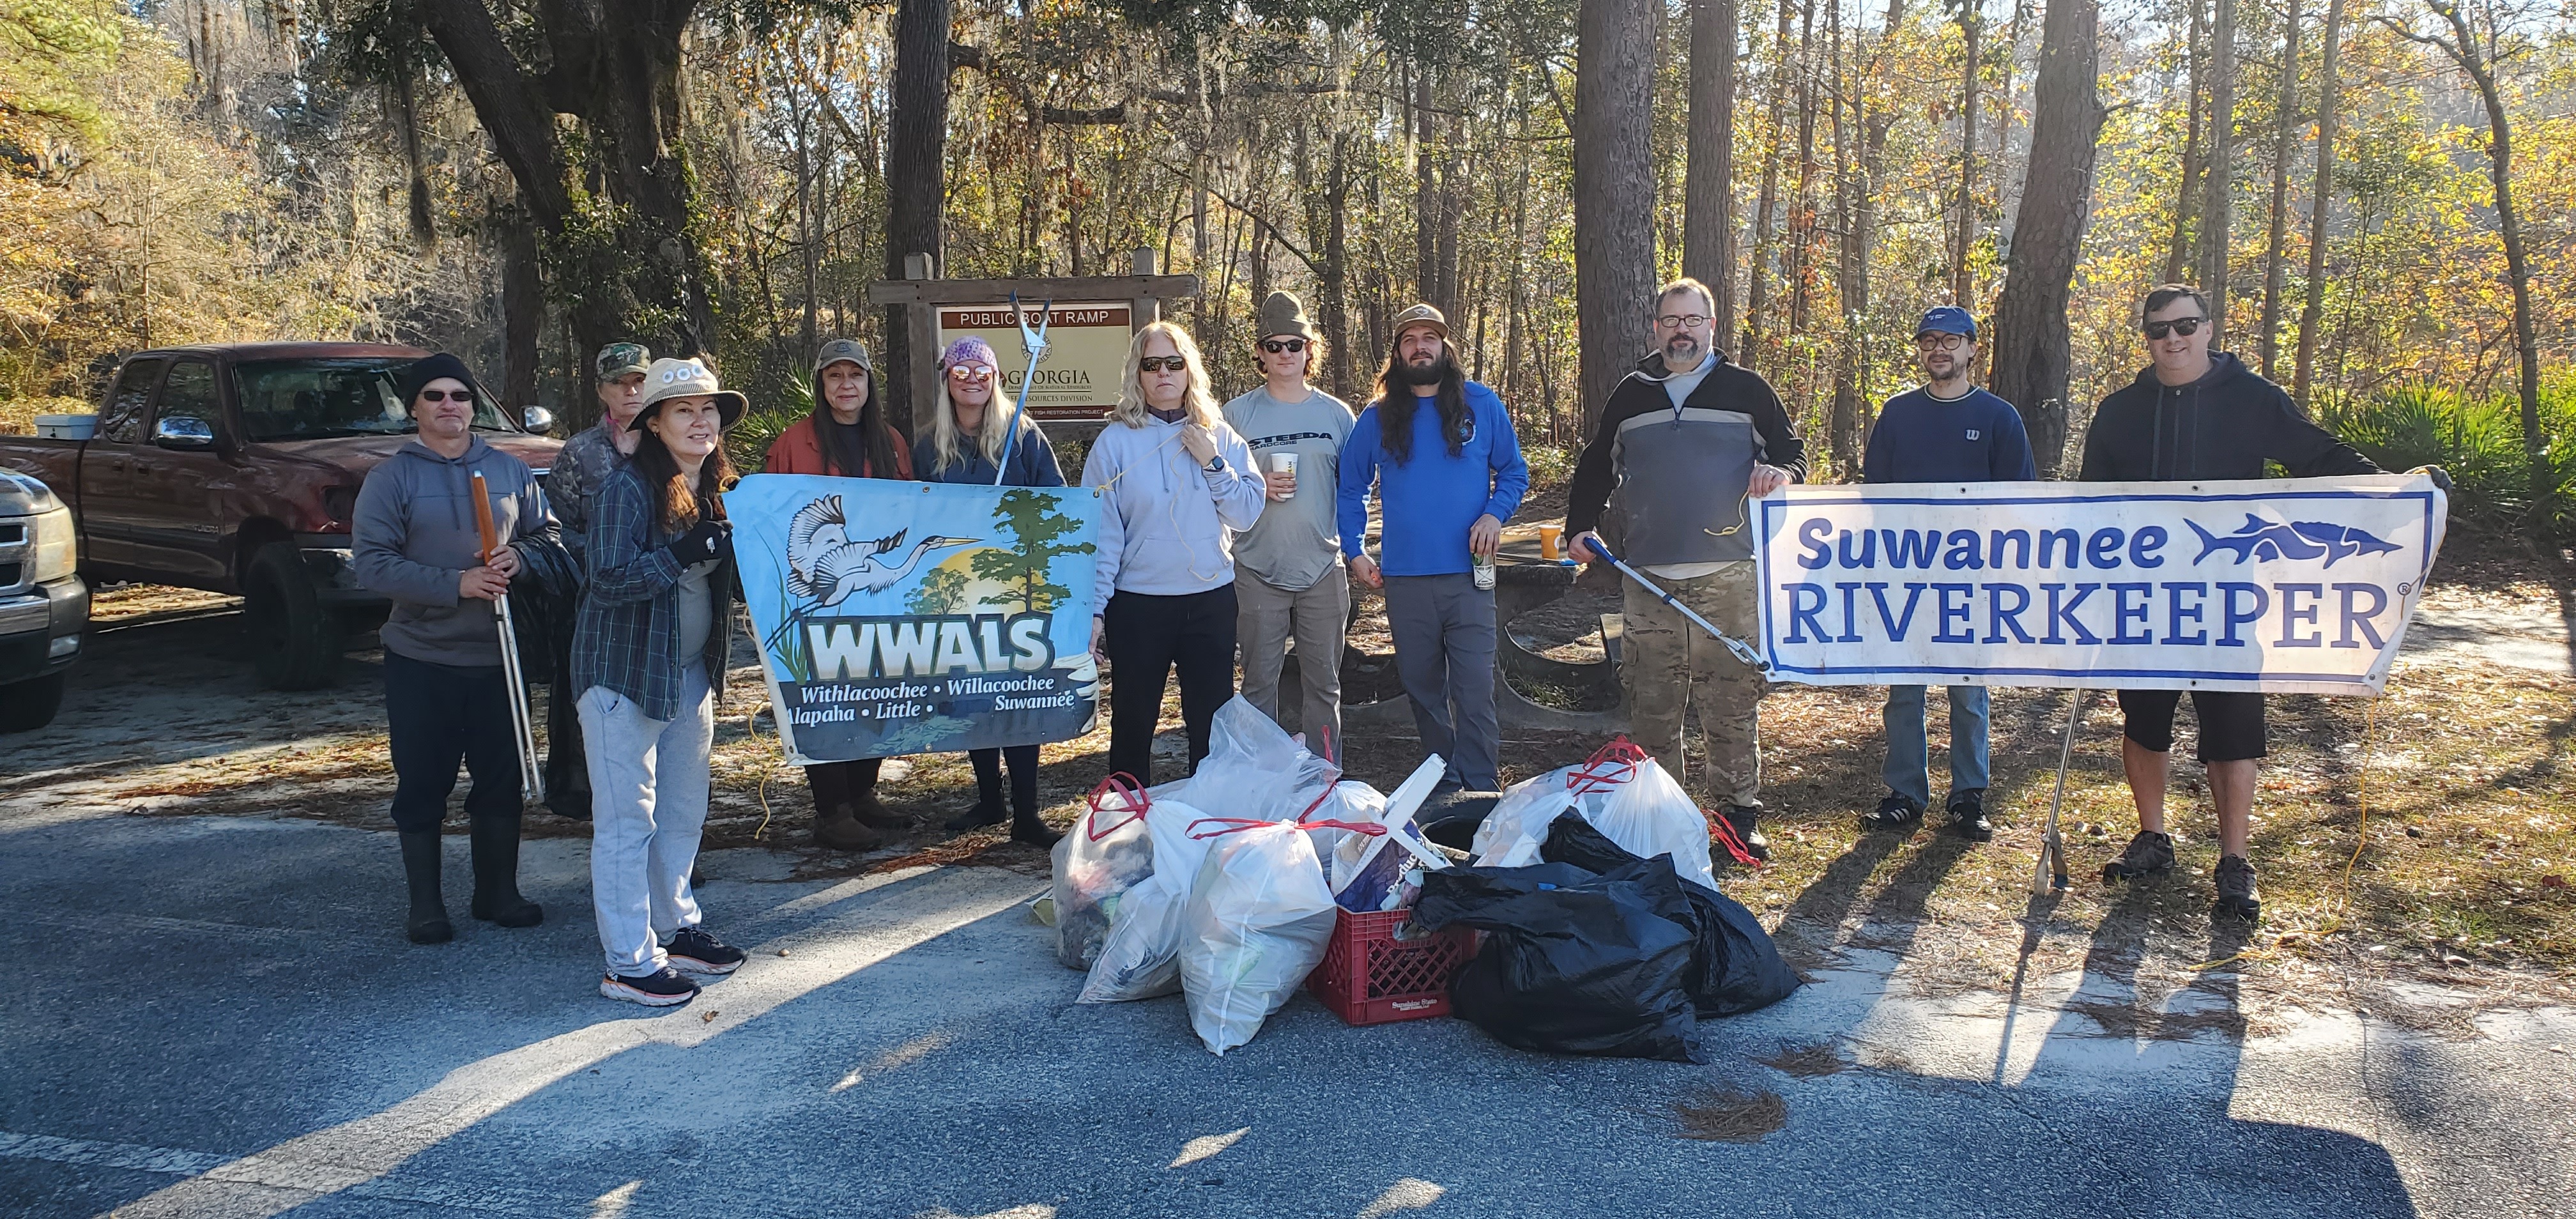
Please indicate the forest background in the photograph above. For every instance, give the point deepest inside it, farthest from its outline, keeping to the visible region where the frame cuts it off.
(517, 180)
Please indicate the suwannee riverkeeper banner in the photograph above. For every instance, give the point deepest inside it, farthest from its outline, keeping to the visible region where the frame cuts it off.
(2299, 585)
(899, 617)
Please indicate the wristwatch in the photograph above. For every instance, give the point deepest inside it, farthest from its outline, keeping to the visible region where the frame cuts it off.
(1216, 464)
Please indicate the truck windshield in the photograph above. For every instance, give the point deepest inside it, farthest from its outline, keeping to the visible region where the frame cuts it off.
(314, 399)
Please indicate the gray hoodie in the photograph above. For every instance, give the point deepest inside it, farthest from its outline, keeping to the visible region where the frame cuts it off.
(414, 535)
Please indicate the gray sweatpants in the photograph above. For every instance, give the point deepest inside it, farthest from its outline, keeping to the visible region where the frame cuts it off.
(1444, 650)
(1265, 615)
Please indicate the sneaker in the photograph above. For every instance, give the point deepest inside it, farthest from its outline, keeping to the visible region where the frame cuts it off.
(1894, 812)
(2237, 893)
(1968, 815)
(1739, 821)
(661, 988)
(2148, 854)
(692, 950)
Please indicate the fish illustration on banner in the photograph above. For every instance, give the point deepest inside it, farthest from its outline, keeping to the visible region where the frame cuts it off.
(899, 618)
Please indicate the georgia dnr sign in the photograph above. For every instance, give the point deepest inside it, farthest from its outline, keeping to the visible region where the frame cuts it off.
(1086, 357)
(2287, 585)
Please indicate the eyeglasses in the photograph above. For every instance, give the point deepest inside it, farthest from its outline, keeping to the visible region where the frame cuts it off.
(970, 372)
(2184, 326)
(1683, 321)
(443, 395)
(1165, 363)
(1291, 346)
(1940, 342)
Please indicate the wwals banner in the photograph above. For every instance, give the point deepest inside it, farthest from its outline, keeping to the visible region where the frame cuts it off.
(2294, 585)
(899, 618)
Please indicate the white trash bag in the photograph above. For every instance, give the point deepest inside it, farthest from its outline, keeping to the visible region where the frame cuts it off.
(1140, 958)
(1623, 792)
(1255, 926)
(1255, 771)
(1097, 862)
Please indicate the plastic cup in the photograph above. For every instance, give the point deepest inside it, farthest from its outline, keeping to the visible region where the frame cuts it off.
(1548, 536)
(1285, 463)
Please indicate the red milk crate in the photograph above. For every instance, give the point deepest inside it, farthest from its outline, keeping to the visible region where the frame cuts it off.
(1371, 977)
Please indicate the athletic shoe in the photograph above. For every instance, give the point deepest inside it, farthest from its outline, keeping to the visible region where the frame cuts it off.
(693, 951)
(1894, 812)
(1968, 815)
(661, 988)
(2237, 892)
(2148, 854)
(1739, 821)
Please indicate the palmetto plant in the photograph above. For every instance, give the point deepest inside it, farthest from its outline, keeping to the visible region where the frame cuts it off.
(2478, 440)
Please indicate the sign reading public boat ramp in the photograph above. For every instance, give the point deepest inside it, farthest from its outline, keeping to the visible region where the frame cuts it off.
(1086, 357)
(2285, 585)
(899, 618)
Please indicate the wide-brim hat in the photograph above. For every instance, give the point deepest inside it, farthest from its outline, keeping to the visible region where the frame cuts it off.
(1282, 314)
(669, 378)
(1420, 315)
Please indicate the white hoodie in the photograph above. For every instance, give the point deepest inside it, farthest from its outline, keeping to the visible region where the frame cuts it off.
(1168, 524)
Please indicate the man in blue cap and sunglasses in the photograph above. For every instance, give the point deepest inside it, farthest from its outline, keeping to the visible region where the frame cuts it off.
(1948, 431)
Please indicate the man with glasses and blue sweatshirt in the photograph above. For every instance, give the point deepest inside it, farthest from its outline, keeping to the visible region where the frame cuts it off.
(1447, 466)
(1943, 431)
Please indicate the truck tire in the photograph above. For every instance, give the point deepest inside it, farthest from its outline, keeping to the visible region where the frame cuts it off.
(30, 705)
(295, 640)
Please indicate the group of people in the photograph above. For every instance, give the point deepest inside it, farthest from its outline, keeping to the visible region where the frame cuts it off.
(1228, 532)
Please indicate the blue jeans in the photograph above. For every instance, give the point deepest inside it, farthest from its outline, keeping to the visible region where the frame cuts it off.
(1908, 758)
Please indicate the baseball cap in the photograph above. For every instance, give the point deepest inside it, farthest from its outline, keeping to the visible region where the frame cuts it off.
(1946, 319)
(618, 359)
(669, 378)
(1420, 315)
(838, 350)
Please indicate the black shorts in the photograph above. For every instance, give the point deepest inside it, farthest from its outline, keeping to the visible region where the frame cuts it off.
(2231, 722)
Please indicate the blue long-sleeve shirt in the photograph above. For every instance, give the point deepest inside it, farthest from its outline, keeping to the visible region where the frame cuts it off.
(1428, 503)
(1922, 439)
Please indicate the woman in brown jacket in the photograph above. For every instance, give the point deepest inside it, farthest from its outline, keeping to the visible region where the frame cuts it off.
(847, 435)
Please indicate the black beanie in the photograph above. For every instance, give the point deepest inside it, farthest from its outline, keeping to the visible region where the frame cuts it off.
(429, 368)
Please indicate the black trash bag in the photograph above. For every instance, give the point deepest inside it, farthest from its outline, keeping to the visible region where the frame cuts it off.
(1736, 967)
(1575, 963)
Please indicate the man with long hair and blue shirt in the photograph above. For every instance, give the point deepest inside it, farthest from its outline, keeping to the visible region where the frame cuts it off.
(1447, 467)
(1945, 430)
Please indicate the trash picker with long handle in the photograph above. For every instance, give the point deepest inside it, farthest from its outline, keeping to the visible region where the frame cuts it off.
(1033, 344)
(531, 775)
(1743, 651)
(2050, 874)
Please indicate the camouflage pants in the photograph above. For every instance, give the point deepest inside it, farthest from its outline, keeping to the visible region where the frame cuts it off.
(1670, 666)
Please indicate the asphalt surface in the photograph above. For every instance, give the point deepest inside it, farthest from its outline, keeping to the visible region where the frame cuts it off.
(218, 1016)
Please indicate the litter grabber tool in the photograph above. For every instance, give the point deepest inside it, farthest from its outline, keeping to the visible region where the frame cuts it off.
(1033, 344)
(1743, 651)
(2049, 876)
(532, 779)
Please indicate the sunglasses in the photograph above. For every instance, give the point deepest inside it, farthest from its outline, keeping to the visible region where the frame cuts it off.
(2184, 326)
(1291, 346)
(445, 395)
(1164, 363)
(970, 372)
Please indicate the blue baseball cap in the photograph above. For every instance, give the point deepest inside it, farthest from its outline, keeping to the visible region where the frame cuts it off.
(1946, 319)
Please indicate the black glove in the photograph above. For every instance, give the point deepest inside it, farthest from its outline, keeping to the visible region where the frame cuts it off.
(705, 542)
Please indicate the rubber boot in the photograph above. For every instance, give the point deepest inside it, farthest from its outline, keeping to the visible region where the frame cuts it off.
(496, 875)
(427, 923)
(1025, 826)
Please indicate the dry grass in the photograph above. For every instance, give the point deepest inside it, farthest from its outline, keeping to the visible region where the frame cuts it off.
(1726, 1115)
(1808, 1061)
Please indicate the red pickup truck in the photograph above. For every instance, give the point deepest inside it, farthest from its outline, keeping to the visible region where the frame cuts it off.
(235, 469)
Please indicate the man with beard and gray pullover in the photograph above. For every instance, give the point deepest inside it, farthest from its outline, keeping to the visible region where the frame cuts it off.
(417, 542)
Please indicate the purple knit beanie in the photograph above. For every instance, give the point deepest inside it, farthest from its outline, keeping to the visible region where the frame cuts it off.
(969, 351)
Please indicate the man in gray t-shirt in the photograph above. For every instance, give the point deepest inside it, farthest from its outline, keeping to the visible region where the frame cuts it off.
(1288, 576)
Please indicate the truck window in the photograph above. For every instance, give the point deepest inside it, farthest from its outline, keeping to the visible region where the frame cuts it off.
(122, 421)
(312, 399)
(189, 393)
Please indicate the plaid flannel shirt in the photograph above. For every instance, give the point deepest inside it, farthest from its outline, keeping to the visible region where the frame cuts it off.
(628, 635)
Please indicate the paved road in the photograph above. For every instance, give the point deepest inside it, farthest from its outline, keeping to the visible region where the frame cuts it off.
(216, 1016)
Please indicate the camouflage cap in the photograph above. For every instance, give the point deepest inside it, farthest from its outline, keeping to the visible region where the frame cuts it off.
(618, 359)
(837, 350)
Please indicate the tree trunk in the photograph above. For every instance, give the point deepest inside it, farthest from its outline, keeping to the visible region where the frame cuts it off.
(1336, 274)
(523, 316)
(1757, 286)
(1614, 192)
(1962, 283)
(2218, 183)
(1708, 192)
(2275, 248)
(1851, 274)
(2186, 192)
(916, 179)
(1875, 122)
(2320, 192)
(2031, 356)
(1802, 205)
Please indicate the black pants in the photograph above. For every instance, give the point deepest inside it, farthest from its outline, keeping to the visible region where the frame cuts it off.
(842, 782)
(1024, 777)
(437, 714)
(1146, 637)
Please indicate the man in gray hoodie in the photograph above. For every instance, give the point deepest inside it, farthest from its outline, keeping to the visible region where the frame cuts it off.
(417, 543)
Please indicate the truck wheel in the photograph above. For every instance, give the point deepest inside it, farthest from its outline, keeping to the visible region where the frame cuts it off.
(294, 639)
(30, 705)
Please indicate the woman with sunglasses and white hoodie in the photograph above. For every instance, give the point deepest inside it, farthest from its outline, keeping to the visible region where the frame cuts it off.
(649, 656)
(1177, 485)
(970, 426)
